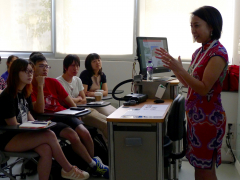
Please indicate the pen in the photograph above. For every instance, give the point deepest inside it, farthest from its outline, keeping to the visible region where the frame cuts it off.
(101, 86)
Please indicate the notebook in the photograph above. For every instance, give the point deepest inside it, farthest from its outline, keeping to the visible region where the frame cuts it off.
(35, 124)
(70, 112)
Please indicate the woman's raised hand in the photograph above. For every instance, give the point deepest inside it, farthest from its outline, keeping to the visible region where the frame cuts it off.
(168, 60)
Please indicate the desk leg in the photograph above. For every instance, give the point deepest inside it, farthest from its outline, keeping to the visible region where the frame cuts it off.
(160, 160)
(111, 151)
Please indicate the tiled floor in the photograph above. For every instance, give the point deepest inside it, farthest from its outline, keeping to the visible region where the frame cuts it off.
(224, 172)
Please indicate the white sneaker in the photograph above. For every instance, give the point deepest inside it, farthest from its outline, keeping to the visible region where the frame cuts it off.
(75, 174)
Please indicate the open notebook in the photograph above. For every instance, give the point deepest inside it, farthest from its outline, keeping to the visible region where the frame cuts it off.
(35, 124)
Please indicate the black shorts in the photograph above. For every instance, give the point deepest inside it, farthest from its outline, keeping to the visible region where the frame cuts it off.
(5, 138)
(64, 122)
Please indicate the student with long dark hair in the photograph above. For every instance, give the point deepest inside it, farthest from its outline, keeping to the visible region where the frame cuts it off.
(94, 79)
(15, 109)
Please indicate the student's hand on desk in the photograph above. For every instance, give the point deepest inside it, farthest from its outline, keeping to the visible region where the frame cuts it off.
(40, 80)
(168, 60)
(89, 94)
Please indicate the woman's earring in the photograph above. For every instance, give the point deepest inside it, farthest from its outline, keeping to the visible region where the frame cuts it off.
(211, 33)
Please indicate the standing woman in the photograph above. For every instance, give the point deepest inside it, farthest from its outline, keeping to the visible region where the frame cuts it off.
(94, 79)
(204, 79)
(15, 109)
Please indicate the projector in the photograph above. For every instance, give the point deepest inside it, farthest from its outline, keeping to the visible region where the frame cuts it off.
(137, 97)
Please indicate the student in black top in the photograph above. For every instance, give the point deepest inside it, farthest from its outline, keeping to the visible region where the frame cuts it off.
(15, 109)
(94, 79)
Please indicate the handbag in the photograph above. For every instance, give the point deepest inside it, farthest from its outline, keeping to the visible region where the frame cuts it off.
(233, 77)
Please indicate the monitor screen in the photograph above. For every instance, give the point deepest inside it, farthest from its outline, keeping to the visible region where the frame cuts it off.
(146, 47)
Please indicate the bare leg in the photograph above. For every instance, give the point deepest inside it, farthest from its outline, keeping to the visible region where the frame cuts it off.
(76, 143)
(45, 161)
(206, 174)
(31, 140)
(86, 139)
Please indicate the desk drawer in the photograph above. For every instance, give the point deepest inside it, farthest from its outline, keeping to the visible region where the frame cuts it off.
(135, 155)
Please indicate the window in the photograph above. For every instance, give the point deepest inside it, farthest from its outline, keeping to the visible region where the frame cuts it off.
(105, 27)
(171, 19)
(25, 27)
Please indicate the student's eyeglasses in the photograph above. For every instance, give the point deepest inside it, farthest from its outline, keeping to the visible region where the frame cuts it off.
(29, 71)
(44, 66)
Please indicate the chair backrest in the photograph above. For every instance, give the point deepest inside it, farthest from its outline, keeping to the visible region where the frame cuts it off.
(176, 117)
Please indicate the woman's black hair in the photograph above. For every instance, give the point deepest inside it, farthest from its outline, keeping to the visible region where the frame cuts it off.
(13, 79)
(88, 61)
(10, 58)
(69, 59)
(213, 18)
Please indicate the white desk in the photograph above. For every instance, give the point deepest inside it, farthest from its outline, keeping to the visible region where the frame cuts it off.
(136, 145)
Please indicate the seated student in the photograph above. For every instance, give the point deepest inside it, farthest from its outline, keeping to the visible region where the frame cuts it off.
(34, 53)
(73, 85)
(4, 76)
(93, 79)
(9, 63)
(46, 96)
(15, 109)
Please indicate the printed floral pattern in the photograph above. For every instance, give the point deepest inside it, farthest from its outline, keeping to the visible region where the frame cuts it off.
(205, 114)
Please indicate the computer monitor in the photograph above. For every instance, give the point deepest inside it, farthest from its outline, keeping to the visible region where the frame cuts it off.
(146, 47)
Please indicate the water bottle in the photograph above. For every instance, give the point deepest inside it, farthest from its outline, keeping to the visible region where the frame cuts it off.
(149, 71)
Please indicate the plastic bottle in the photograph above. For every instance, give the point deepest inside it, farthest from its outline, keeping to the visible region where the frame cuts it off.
(149, 71)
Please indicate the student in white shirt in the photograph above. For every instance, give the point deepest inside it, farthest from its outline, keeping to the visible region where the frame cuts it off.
(73, 85)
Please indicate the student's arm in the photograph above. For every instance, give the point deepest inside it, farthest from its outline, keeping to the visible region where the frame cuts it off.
(82, 95)
(105, 88)
(68, 100)
(87, 93)
(30, 117)
(77, 99)
(12, 121)
(39, 104)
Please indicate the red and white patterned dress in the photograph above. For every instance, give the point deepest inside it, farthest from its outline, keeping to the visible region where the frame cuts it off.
(205, 114)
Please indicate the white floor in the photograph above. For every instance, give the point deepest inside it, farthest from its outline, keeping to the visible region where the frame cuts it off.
(224, 172)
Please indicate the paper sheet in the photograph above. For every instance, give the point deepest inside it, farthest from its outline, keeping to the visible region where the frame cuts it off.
(147, 111)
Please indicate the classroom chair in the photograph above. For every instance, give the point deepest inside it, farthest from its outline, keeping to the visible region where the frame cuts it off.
(175, 141)
(23, 157)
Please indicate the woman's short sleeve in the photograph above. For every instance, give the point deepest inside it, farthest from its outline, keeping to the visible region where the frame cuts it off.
(85, 77)
(103, 78)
